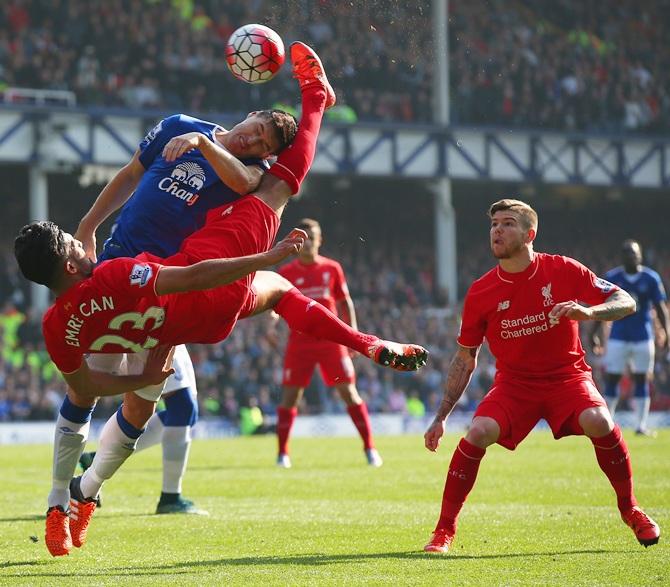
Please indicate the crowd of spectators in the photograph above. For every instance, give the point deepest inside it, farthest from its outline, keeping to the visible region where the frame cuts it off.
(389, 267)
(570, 64)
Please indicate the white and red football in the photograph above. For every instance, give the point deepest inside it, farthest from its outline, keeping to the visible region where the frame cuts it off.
(254, 53)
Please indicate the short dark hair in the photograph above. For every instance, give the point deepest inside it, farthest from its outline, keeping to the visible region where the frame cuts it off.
(527, 215)
(629, 243)
(285, 126)
(40, 251)
(308, 224)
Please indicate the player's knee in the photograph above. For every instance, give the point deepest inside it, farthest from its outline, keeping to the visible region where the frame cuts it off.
(291, 396)
(137, 410)
(181, 408)
(281, 286)
(483, 432)
(349, 394)
(596, 422)
(270, 289)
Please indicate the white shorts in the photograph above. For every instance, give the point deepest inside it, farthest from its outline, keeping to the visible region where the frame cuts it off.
(125, 364)
(639, 356)
(184, 375)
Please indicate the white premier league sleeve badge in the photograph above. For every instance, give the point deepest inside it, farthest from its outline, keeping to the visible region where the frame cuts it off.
(140, 275)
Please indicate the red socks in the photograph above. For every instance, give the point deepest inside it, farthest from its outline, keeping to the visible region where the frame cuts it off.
(460, 480)
(285, 419)
(294, 162)
(614, 460)
(361, 419)
(305, 315)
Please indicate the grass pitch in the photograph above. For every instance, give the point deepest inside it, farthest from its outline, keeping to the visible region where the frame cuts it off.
(544, 515)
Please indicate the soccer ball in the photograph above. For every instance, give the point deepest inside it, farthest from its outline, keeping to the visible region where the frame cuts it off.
(254, 53)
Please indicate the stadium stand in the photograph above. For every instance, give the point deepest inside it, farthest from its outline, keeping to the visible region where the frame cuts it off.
(571, 66)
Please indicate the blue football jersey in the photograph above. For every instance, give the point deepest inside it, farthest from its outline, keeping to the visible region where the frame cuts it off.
(646, 288)
(171, 200)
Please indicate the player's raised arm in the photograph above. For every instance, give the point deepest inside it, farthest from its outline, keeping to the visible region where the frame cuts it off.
(217, 272)
(111, 198)
(460, 372)
(230, 170)
(88, 383)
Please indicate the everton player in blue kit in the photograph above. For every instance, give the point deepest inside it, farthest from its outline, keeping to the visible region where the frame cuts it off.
(631, 340)
(167, 198)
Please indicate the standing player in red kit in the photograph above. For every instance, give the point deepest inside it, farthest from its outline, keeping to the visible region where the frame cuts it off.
(527, 309)
(321, 279)
(124, 308)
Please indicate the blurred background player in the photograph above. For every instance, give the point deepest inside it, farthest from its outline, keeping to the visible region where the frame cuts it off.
(321, 279)
(170, 199)
(527, 309)
(632, 340)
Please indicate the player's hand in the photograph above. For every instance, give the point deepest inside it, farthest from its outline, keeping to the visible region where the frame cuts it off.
(597, 347)
(289, 245)
(88, 241)
(571, 310)
(434, 434)
(158, 366)
(181, 144)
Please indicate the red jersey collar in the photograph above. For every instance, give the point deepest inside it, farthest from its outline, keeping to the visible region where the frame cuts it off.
(527, 274)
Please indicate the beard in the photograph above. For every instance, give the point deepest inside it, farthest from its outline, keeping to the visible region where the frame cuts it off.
(508, 251)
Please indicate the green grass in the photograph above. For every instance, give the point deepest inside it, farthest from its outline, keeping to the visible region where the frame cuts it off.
(544, 515)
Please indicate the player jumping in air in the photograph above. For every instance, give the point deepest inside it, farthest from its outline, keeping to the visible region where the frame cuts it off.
(171, 196)
(631, 341)
(197, 295)
(323, 280)
(527, 309)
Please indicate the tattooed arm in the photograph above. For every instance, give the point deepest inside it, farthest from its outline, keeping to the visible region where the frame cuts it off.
(460, 372)
(619, 305)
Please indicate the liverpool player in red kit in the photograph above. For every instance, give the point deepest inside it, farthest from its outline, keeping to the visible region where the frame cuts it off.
(321, 279)
(135, 305)
(528, 310)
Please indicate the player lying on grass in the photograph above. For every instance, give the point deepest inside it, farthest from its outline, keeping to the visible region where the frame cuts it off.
(196, 295)
(528, 310)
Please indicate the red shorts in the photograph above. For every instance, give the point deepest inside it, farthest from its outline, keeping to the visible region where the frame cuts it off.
(245, 227)
(333, 360)
(517, 406)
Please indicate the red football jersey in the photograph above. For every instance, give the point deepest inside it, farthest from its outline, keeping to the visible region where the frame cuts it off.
(323, 281)
(117, 310)
(511, 310)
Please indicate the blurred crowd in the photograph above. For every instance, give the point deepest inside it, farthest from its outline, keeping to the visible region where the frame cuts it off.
(569, 64)
(397, 300)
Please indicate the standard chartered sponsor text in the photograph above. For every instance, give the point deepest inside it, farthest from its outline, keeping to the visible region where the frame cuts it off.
(530, 324)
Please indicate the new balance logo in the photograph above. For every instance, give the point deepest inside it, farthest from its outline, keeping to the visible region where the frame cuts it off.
(227, 211)
(503, 306)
